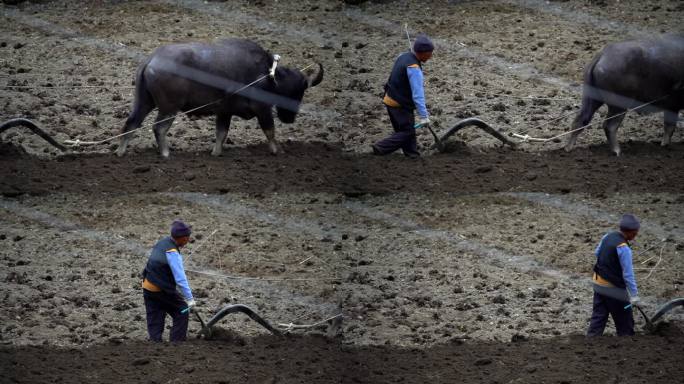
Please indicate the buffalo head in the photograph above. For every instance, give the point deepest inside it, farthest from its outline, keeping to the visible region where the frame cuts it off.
(291, 84)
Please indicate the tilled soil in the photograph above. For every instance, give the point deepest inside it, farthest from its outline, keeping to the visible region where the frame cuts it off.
(323, 167)
(466, 266)
(570, 359)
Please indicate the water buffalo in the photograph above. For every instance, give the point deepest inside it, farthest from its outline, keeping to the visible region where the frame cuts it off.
(206, 77)
(628, 74)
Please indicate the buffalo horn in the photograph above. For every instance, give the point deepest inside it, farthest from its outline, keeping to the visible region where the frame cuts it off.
(316, 78)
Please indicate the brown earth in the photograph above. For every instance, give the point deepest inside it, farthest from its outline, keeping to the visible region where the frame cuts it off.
(467, 266)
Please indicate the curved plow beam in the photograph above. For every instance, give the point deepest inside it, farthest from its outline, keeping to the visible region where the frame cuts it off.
(478, 123)
(667, 307)
(31, 125)
(206, 328)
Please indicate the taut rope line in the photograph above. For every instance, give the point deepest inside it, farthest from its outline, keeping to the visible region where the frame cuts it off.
(526, 138)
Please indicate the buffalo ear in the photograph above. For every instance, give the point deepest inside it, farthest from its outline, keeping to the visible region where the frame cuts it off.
(315, 78)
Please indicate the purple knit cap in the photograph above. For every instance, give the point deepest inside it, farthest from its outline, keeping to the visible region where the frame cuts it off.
(180, 229)
(423, 44)
(629, 222)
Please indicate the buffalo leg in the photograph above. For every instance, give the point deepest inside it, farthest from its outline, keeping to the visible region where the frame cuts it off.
(589, 107)
(135, 119)
(670, 121)
(267, 125)
(611, 125)
(222, 126)
(161, 128)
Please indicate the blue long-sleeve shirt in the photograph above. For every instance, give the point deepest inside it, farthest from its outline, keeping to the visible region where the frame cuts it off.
(175, 260)
(415, 75)
(625, 257)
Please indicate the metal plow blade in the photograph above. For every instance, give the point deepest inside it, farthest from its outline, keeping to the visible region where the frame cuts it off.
(206, 330)
(667, 307)
(439, 143)
(33, 127)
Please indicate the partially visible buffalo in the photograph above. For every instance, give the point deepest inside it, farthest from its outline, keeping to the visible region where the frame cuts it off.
(628, 74)
(180, 77)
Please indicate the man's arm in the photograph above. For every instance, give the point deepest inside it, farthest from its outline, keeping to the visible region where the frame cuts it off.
(415, 76)
(625, 256)
(176, 263)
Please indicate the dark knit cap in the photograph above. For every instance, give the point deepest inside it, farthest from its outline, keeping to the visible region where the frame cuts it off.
(423, 44)
(180, 229)
(629, 223)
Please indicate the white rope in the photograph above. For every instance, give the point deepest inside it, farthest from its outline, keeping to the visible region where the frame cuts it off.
(78, 142)
(554, 120)
(648, 249)
(504, 95)
(660, 258)
(291, 326)
(528, 138)
(229, 277)
(194, 250)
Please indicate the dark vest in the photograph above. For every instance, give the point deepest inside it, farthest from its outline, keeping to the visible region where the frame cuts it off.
(608, 263)
(398, 86)
(157, 270)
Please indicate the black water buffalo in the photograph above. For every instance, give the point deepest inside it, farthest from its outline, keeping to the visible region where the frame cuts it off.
(211, 79)
(628, 74)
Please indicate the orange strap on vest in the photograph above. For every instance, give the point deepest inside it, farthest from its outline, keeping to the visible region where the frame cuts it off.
(146, 284)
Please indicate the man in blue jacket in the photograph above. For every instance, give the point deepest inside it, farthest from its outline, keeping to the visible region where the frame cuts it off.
(614, 283)
(403, 94)
(163, 277)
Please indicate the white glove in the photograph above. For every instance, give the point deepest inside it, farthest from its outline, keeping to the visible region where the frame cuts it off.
(422, 121)
(635, 301)
(191, 303)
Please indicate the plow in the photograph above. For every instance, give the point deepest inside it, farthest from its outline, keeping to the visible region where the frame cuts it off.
(465, 123)
(21, 122)
(652, 322)
(208, 330)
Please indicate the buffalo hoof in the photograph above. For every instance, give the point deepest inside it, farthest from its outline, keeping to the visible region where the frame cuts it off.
(216, 153)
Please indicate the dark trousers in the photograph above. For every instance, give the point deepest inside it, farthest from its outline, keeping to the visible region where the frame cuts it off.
(604, 306)
(157, 306)
(404, 136)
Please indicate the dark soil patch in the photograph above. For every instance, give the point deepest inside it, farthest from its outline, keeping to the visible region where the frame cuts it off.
(322, 167)
(572, 359)
(667, 329)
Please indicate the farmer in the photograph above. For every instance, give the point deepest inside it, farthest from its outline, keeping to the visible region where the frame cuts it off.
(615, 289)
(162, 275)
(404, 94)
